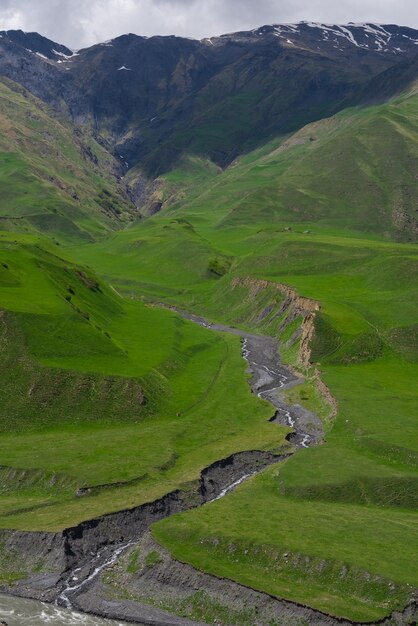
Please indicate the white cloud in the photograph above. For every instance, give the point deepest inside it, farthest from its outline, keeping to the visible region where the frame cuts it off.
(79, 23)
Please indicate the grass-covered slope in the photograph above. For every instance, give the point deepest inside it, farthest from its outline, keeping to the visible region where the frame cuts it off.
(336, 526)
(54, 178)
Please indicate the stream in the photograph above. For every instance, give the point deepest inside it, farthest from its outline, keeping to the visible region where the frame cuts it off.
(73, 585)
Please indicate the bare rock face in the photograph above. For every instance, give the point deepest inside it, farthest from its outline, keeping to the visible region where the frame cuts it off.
(37, 44)
(29, 60)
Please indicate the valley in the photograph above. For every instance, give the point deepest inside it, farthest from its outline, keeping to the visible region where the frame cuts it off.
(208, 326)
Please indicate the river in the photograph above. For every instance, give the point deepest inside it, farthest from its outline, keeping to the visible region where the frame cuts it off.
(269, 378)
(20, 612)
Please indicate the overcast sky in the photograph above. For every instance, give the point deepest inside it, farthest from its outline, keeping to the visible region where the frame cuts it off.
(79, 23)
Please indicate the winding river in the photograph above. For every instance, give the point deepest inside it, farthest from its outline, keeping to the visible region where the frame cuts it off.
(269, 378)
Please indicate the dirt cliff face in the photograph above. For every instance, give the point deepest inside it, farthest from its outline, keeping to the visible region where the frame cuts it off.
(255, 286)
(291, 308)
(308, 331)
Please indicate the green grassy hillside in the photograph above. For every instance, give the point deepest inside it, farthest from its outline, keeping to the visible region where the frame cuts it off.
(54, 179)
(355, 171)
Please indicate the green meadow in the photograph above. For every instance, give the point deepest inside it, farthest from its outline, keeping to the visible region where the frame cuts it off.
(98, 390)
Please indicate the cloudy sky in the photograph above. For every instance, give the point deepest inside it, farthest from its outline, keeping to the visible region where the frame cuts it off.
(79, 23)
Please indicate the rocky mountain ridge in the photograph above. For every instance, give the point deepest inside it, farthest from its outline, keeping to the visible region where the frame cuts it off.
(37, 44)
(372, 37)
(157, 98)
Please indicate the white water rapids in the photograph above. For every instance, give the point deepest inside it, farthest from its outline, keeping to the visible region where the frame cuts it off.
(21, 612)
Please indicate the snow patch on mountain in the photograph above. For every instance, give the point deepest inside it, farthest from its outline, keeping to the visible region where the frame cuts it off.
(61, 54)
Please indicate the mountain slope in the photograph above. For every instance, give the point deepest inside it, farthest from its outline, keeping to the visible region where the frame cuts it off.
(54, 178)
(356, 170)
(223, 96)
(157, 98)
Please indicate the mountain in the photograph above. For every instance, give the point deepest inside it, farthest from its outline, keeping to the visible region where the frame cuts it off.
(156, 98)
